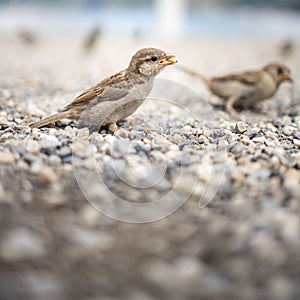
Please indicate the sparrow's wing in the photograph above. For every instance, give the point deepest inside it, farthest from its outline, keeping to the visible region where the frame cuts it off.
(249, 77)
(109, 89)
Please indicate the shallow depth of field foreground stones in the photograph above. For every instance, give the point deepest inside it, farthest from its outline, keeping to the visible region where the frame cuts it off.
(235, 237)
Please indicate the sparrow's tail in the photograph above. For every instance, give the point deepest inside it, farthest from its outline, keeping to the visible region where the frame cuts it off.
(51, 119)
(195, 74)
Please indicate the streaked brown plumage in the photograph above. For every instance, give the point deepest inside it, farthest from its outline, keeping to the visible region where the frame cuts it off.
(246, 88)
(117, 96)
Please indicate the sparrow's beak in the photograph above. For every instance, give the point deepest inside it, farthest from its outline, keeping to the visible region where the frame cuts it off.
(168, 60)
(287, 77)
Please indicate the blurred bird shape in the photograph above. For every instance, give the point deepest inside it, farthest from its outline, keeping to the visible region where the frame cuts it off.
(247, 88)
(92, 38)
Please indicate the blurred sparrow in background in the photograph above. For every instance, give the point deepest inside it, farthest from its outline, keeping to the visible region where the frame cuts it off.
(246, 88)
(287, 48)
(92, 38)
(26, 37)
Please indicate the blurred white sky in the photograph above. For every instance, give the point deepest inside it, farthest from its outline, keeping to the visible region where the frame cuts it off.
(161, 17)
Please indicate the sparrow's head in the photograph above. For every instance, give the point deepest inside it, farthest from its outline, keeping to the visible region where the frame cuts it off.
(150, 61)
(279, 72)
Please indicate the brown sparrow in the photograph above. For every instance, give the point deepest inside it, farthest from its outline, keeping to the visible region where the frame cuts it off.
(246, 88)
(287, 48)
(92, 39)
(26, 37)
(117, 96)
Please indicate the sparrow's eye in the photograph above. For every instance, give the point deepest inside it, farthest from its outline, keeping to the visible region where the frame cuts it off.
(154, 58)
(280, 71)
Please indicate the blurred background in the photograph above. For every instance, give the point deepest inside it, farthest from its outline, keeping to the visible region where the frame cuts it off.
(75, 43)
(273, 18)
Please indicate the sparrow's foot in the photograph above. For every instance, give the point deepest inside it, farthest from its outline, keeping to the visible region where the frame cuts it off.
(112, 128)
(129, 120)
(229, 107)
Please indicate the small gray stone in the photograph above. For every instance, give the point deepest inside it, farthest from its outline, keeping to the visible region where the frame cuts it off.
(159, 142)
(83, 148)
(252, 132)
(296, 135)
(83, 132)
(33, 147)
(6, 157)
(42, 285)
(281, 288)
(49, 142)
(296, 142)
(47, 175)
(157, 156)
(238, 148)
(90, 239)
(64, 151)
(2, 194)
(241, 127)
(21, 244)
(121, 148)
(140, 146)
(4, 122)
(288, 130)
(259, 139)
(123, 133)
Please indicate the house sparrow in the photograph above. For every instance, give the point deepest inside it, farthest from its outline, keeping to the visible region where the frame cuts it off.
(26, 37)
(287, 48)
(246, 88)
(117, 96)
(92, 38)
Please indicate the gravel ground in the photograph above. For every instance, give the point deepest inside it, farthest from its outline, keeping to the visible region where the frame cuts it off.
(233, 187)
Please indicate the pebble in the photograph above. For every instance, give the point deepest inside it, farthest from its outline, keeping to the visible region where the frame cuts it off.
(33, 147)
(6, 157)
(3, 122)
(142, 146)
(49, 142)
(43, 285)
(47, 175)
(121, 148)
(296, 142)
(158, 156)
(259, 139)
(288, 130)
(22, 244)
(281, 288)
(188, 268)
(56, 198)
(2, 193)
(90, 239)
(296, 135)
(252, 132)
(177, 139)
(241, 127)
(83, 133)
(83, 148)
(90, 215)
(123, 133)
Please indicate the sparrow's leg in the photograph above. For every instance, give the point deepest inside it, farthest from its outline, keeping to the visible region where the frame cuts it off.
(129, 119)
(230, 107)
(112, 127)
